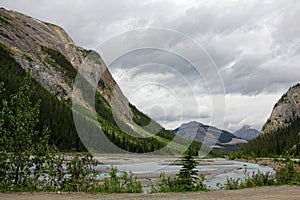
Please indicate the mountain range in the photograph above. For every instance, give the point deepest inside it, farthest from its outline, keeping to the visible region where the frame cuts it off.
(56, 63)
(210, 135)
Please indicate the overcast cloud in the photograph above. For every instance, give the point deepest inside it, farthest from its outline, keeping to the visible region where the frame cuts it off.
(255, 46)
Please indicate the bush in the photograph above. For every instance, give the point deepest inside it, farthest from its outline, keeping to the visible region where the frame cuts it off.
(258, 179)
(167, 184)
(288, 174)
(120, 184)
(81, 174)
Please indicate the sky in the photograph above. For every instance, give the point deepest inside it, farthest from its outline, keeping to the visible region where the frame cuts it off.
(223, 63)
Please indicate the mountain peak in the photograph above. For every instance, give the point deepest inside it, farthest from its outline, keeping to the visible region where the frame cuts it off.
(209, 135)
(246, 127)
(247, 132)
(192, 123)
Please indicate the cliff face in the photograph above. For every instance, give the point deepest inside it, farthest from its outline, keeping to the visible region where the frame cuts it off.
(280, 134)
(284, 111)
(31, 40)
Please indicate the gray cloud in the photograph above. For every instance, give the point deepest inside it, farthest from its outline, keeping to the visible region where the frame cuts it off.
(255, 45)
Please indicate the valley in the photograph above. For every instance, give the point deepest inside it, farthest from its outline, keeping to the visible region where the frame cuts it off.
(66, 126)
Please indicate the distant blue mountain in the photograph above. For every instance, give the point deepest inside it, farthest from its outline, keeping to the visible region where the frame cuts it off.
(247, 132)
(209, 135)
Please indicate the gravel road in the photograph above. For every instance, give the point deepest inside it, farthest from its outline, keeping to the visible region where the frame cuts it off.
(270, 193)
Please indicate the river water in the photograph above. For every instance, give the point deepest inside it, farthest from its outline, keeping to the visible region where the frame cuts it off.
(216, 170)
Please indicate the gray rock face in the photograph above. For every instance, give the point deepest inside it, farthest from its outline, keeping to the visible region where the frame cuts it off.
(26, 37)
(284, 111)
(247, 133)
(209, 135)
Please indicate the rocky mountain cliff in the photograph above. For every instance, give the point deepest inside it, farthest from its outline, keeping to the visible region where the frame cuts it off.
(281, 134)
(285, 110)
(29, 38)
(209, 135)
(247, 133)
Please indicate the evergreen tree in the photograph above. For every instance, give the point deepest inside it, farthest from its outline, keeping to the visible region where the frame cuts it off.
(188, 176)
(187, 179)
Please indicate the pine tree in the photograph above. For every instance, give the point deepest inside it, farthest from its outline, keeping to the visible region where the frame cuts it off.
(188, 176)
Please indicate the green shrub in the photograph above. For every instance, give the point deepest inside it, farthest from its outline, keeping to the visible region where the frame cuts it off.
(168, 184)
(120, 184)
(258, 179)
(81, 173)
(288, 174)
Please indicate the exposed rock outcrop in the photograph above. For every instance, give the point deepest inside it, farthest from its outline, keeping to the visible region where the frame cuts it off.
(285, 110)
(28, 37)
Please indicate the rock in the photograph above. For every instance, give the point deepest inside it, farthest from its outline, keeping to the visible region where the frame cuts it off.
(27, 37)
(285, 110)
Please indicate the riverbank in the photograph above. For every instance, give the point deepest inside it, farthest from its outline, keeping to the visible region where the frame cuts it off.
(264, 193)
(270, 162)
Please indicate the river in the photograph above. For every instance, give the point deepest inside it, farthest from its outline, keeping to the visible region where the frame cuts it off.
(216, 170)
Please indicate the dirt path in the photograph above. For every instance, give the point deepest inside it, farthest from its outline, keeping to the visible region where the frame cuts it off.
(270, 193)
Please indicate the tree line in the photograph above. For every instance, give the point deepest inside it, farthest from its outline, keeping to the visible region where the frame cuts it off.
(284, 141)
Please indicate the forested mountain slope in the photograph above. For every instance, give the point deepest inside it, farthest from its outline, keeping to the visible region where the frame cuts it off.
(281, 133)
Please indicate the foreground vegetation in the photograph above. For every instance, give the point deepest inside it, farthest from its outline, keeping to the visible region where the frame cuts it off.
(59, 174)
(187, 179)
(284, 176)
